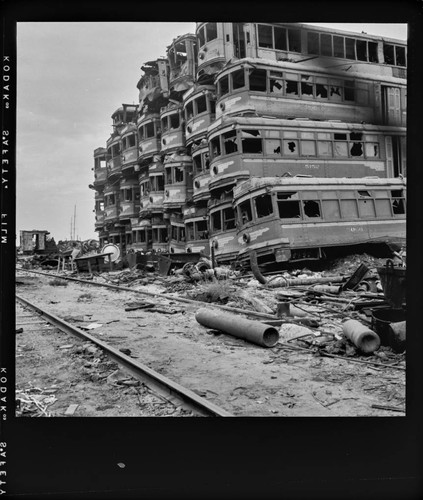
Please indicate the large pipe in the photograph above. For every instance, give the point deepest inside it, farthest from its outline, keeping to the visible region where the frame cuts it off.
(365, 339)
(246, 329)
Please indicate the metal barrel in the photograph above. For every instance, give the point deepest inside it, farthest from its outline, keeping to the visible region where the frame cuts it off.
(253, 331)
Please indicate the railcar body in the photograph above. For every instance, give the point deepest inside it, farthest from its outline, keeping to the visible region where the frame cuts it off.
(219, 43)
(241, 147)
(288, 219)
(223, 231)
(172, 128)
(196, 229)
(199, 111)
(292, 90)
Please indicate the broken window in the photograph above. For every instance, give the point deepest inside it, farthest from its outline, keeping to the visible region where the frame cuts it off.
(168, 175)
(223, 85)
(361, 47)
(216, 221)
(276, 83)
(201, 230)
(372, 52)
(264, 205)
(324, 148)
(197, 164)
(306, 85)
(211, 31)
(228, 218)
(174, 233)
(245, 212)
(294, 40)
(206, 161)
(257, 79)
(400, 56)
(238, 79)
(357, 149)
(190, 230)
(288, 205)
(372, 149)
(311, 208)
(350, 48)
(364, 194)
(398, 202)
(280, 38)
(321, 89)
(179, 174)
(265, 36)
(149, 129)
(290, 147)
(335, 92)
(349, 91)
(189, 109)
(308, 148)
(325, 45)
(338, 46)
(229, 142)
(163, 237)
(388, 53)
(272, 146)
(251, 141)
(201, 37)
(313, 42)
(201, 104)
(164, 124)
(141, 133)
(215, 147)
(174, 121)
(127, 194)
(291, 84)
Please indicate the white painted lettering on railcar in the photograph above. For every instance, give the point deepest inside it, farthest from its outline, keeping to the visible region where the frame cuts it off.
(197, 124)
(224, 241)
(223, 166)
(170, 138)
(231, 102)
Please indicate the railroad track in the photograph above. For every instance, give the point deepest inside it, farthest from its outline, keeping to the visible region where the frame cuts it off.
(30, 314)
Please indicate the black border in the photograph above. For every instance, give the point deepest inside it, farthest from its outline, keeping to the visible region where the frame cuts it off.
(220, 458)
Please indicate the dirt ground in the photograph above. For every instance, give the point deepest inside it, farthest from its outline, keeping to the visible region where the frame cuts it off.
(59, 375)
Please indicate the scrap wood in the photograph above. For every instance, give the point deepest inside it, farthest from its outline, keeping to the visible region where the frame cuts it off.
(388, 408)
(322, 353)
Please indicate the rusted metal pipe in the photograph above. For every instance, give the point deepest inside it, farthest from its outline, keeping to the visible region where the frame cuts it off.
(255, 268)
(361, 336)
(280, 281)
(246, 329)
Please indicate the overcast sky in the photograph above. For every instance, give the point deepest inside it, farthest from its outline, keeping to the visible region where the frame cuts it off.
(71, 78)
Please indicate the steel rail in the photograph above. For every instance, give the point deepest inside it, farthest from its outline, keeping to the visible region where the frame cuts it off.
(172, 391)
(162, 295)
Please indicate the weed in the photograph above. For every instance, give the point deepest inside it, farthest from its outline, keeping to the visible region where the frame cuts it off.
(84, 297)
(58, 282)
(218, 291)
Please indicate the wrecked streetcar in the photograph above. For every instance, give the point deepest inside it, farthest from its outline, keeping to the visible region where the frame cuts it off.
(298, 128)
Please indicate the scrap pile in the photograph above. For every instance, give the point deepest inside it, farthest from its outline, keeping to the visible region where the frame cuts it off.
(359, 314)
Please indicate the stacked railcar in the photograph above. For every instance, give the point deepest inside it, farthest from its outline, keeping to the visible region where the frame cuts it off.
(237, 101)
(297, 218)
